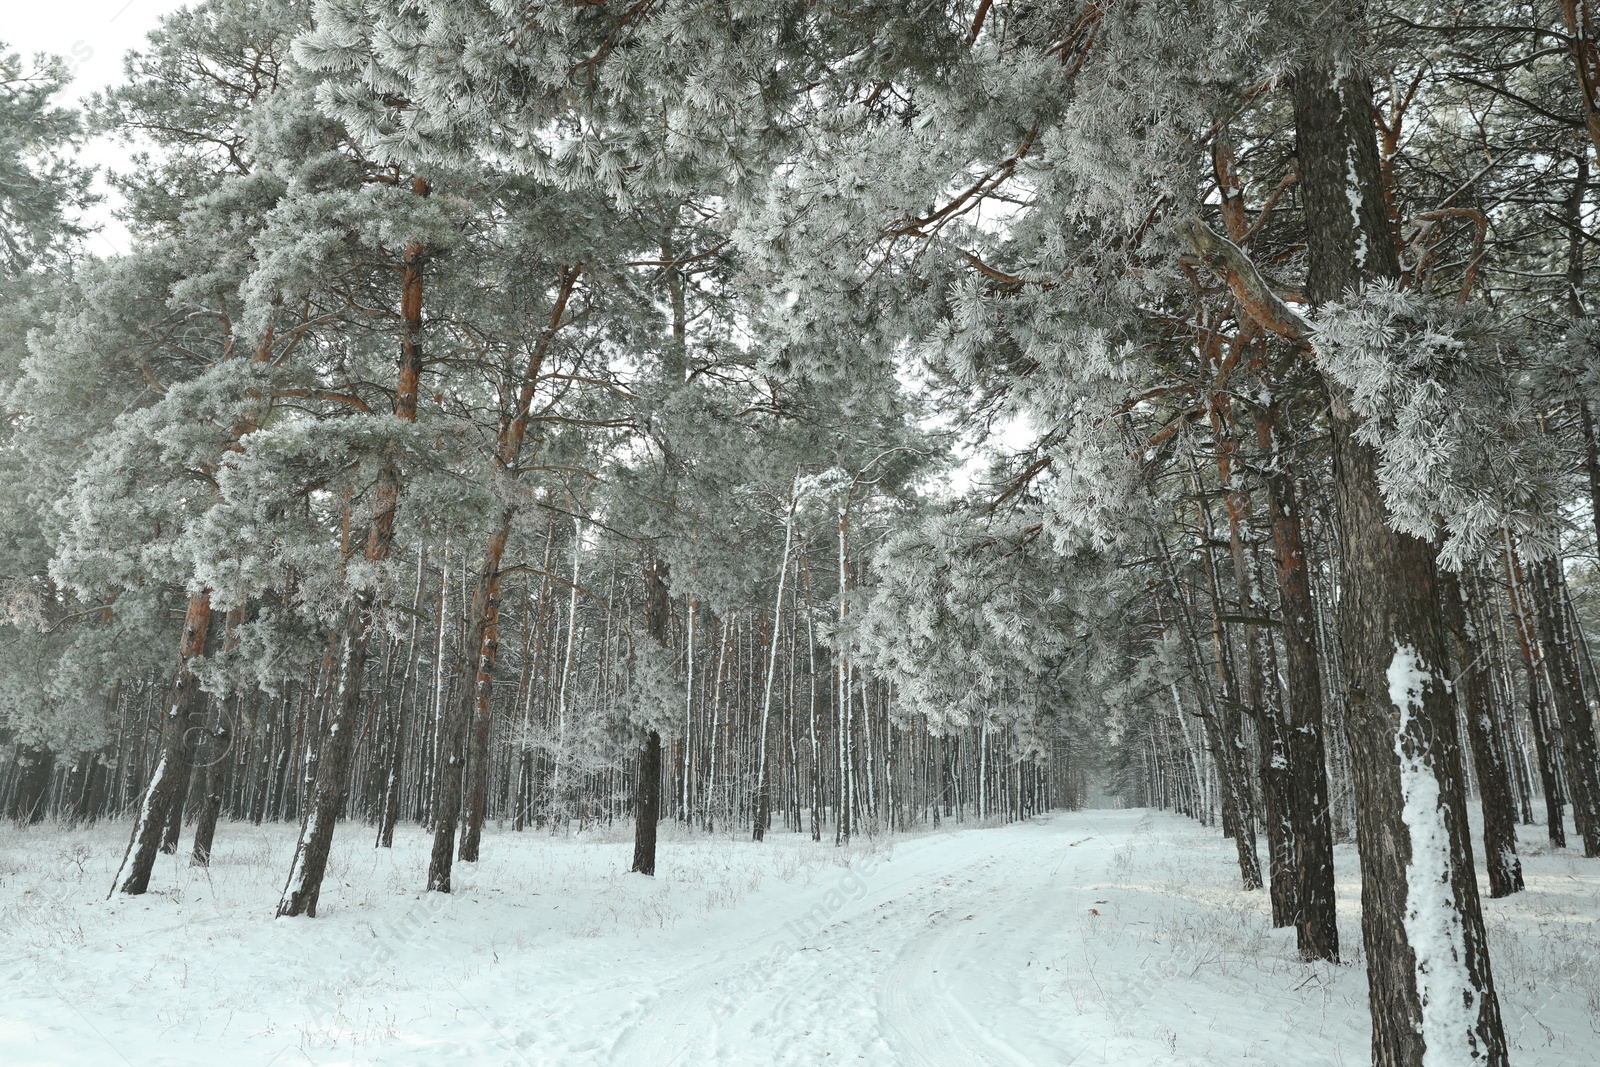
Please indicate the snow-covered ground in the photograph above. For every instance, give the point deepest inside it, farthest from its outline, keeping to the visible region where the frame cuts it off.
(1100, 937)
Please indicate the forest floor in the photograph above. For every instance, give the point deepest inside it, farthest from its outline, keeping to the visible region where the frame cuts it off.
(1096, 937)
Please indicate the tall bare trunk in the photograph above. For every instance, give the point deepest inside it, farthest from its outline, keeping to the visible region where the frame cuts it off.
(1316, 918)
(482, 708)
(763, 787)
(1541, 714)
(1427, 955)
(342, 715)
(213, 776)
(842, 823)
(1566, 688)
(35, 763)
(482, 625)
(1494, 780)
(1234, 806)
(180, 725)
(647, 799)
(389, 796)
(1278, 807)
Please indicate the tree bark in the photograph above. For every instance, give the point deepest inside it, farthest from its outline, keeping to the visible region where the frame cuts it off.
(1545, 743)
(1421, 920)
(186, 778)
(647, 798)
(1577, 722)
(482, 714)
(340, 718)
(1488, 759)
(1540, 715)
(216, 764)
(219, 743)
(1278, 805)
(482, 627)
(647, 802)
(1316, 917)
(763, 786)
(469, 716)
(304, 886)
(389, 797)
(35, 763)
(1235, 808)
(184, 716)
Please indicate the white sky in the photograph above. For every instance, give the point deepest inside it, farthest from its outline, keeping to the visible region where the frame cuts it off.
(92, 36)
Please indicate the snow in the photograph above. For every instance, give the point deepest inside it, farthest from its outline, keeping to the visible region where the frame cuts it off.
(1352, 192)
(1100, 937)
(1432, 921)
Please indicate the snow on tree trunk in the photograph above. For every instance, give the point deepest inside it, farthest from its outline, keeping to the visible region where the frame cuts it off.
(183, 717)
(304, 887)
(1447, 994)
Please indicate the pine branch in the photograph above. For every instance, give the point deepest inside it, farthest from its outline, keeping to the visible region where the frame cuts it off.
(1255, 296)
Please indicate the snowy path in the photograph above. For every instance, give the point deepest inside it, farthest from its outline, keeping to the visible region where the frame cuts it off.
(1086, 938)
(900, 972)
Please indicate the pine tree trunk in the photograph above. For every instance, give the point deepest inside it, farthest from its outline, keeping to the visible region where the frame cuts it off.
(218, 748)
(35, 763)
(763, 785)
(1494, 779)
(482, 628)
(268, 740)
(184, 716)
(1591, 457)
(843, 824)
(647, 806)
(482, 712)
(484, 624)
(389, 799)
(1577, 723)
(185, 795)
(1273, 742)
(1316, 917)
(1545, 744)
(1487, 627)
(1225, 720)
(1540, 714)
(219, 743)
(1235, 823)
(340, 720)
(93, 796)
(647, 800)
(304, 887)
(1421, 920)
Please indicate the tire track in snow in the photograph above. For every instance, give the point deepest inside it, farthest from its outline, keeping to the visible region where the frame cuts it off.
(1000, 928)
(926, 1024)
(770, 989)
(873, 985)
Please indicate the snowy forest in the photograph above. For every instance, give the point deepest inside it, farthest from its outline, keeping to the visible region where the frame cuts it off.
(795, 435)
